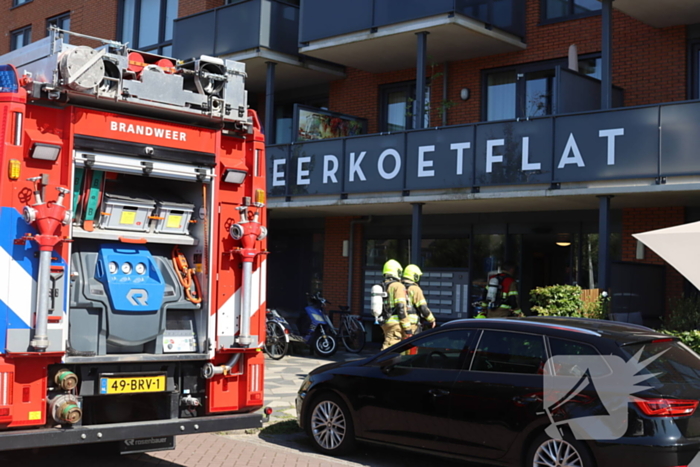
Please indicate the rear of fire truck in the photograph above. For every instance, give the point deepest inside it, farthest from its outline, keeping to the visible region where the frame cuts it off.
(132, 251)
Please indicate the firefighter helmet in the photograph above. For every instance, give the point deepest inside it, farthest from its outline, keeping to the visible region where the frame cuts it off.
(392, 268)
(412, 273)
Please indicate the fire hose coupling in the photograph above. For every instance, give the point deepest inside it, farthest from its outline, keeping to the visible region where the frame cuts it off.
(65, 409)
(66, 380)
(209, 370)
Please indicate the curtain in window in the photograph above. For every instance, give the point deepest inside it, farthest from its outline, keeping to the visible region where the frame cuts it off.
(501, 96)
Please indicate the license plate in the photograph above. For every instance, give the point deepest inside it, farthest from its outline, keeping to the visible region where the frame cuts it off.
(132, 384)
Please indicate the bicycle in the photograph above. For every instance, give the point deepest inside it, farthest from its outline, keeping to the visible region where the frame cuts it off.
(351, 330)
(277, 335)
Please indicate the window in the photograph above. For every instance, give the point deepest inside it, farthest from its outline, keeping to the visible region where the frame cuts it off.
(510, 352)
(398, 107)
(557, 10)
(19, 2)
(20, 37)
(148, 24)
(61, 22)
(528, 91)
(572, 367)
(444, 351)
(694, 88)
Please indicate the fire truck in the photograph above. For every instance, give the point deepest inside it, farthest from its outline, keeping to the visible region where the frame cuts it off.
(132, 246)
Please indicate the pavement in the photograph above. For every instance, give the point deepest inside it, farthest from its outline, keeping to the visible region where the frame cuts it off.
(280, 443)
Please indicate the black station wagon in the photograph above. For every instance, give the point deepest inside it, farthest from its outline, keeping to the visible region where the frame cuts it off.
(475, 389)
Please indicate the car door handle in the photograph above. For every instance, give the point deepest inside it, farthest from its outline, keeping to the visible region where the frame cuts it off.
(438, 392)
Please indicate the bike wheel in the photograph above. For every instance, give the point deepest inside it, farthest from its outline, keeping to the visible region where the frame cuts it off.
(276, 344)
(353, 335)
(324, 345)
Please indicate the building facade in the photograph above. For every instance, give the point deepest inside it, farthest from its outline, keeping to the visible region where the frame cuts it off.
(454, 134)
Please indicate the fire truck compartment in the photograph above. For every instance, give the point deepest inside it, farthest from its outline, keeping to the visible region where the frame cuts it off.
(98, 328)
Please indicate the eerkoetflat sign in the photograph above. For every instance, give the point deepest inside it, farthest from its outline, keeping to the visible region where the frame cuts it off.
(619, 144)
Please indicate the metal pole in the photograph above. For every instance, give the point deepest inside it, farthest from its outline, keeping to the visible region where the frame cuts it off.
(41, 338)
(603, 242)
(244, 338)
(416, 234)
(606, 58)
(270, 104)
(420, 77)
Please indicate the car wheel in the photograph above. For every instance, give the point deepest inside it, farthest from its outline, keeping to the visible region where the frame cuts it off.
(324, 345)
(329, 425)
(567, 452)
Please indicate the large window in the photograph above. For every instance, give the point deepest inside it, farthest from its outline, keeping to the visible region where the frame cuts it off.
(20, 37)
(398, 107)
(148, 24)
(555, 10)
(527, 91)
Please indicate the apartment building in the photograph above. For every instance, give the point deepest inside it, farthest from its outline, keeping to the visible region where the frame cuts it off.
(454, 134)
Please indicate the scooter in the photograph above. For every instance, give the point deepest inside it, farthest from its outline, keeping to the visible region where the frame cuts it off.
(317, 328)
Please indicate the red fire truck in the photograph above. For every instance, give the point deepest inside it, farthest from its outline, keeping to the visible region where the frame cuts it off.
(132, 247)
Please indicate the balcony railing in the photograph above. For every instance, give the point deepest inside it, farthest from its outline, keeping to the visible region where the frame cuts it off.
(322, 19)
(238, 27)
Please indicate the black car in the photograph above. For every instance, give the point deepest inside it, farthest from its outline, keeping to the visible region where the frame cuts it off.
(475, 389)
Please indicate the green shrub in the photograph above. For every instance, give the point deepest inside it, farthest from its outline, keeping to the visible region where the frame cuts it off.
(557, 300)
(689, 338)
(684, 314)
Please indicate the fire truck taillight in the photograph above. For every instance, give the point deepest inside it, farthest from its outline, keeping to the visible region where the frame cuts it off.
(260, 197)
(8, 79)
(13, 169)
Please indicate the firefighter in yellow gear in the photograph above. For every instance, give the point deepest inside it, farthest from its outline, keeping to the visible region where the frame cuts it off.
(416, 303)
(397, 325)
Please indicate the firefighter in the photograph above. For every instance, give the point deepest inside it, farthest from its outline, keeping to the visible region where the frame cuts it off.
(506, 302)
(397, 326)
(417, 305)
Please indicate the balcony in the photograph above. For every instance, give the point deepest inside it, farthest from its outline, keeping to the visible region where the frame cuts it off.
(253, 32)
(359, 33)
(661, 14)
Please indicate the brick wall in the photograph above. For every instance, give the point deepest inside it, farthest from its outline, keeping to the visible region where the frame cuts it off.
(335, 265)
(648, 63)
(636, 220)
(92, 17)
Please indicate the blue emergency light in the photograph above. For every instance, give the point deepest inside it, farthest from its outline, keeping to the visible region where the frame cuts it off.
(131, 277)
(8, 79)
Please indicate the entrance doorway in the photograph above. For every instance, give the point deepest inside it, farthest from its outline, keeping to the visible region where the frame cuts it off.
(547, 259)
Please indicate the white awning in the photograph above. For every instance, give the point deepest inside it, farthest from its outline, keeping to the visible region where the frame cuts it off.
(679, 246)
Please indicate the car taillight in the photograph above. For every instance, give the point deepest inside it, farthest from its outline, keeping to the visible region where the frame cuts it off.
(667, 407)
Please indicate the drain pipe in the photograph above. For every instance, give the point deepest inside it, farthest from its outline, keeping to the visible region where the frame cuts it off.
(351, 249)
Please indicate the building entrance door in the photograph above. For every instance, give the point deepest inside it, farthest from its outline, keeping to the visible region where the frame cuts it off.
(547, 259)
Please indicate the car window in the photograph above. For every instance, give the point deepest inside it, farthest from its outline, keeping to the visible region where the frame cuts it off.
(510, 352)
(675, 363)
(444, 350)
(561, 366)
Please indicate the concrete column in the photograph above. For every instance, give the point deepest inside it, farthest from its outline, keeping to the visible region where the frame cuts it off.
(606, 56)
(421, 63)
(416, 234)
(604, 242)
(270, 104)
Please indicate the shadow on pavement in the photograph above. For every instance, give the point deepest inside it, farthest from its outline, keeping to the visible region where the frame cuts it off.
(98, 455)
